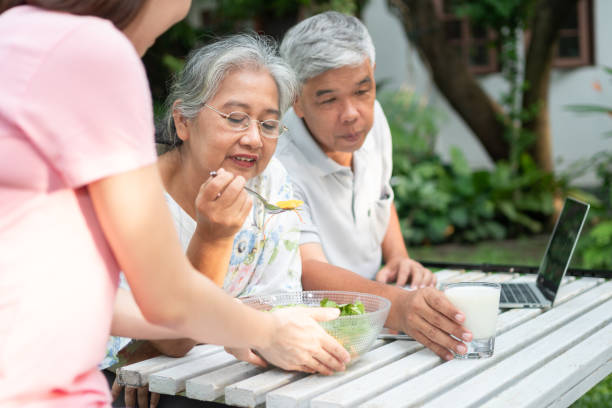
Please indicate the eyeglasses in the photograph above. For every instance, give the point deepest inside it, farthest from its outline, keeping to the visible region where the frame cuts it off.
(270, 128)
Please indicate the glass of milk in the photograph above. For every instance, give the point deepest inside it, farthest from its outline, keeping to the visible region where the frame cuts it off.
(479, 302)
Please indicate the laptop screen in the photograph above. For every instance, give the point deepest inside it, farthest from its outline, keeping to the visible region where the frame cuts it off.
(561, 246)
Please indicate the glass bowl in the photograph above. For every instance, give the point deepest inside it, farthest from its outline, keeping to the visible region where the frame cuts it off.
(356, 333)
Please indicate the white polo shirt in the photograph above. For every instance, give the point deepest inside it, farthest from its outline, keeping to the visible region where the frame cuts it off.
(345, 210)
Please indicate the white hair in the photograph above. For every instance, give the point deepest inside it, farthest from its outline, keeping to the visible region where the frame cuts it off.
(326, 41)
(206, 67)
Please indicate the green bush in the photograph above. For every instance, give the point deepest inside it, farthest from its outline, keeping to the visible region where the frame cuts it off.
(439, 202)
(594, 247)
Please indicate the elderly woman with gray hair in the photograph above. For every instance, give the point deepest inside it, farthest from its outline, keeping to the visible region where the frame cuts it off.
(221, 130)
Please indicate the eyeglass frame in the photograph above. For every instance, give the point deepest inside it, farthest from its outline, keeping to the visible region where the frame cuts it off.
(281, 128)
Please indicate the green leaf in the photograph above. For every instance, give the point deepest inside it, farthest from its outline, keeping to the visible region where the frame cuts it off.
(589, 109)
(459, 163)
(325, 302)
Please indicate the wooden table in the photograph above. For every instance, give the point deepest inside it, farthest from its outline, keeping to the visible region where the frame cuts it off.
(542, 358)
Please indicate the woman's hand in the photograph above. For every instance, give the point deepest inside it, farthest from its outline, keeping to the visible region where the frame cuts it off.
(299, 343)
(248, 355)
(221, 206)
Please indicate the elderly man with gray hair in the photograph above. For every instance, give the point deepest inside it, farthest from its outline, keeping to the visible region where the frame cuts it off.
(338, 153)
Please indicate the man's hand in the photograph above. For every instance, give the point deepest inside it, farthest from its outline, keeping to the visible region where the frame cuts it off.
(403, 269)
(430, 318)
(135, 396)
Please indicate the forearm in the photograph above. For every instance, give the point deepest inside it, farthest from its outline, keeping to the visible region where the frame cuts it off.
(319, 275)
(168, 290)
(174, 347)
(211, 258)
(393, 245)
(128, 320)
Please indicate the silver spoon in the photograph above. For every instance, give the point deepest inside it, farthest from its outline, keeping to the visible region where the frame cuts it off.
(270, 208)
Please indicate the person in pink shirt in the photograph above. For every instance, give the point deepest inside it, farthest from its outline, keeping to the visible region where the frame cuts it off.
(81, 198)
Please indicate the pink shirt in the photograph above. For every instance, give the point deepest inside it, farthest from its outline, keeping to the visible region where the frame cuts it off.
(74, 108)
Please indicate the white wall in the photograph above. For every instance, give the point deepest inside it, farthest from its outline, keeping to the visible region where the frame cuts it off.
(574, 136)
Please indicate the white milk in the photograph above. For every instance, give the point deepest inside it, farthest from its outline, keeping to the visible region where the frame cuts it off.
(479, 304)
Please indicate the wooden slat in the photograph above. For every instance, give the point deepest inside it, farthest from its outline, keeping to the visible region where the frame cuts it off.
(172, 380)
(445, 274)
(466, 277)
(299, 393)
(370, 385)
(137, 374)
(556, 382)
(582, 387)
(479, 388)
(211, 386)
(252, 391)
(441, 378)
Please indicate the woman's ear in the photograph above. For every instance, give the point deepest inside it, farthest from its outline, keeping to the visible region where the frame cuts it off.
(180, 122)
(297, 107)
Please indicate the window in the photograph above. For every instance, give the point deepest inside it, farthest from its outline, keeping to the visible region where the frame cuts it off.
(575, 38)
(473, 43)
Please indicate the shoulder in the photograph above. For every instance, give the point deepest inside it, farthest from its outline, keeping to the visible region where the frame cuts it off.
(100, 46)
(380, 134)
(380, 119)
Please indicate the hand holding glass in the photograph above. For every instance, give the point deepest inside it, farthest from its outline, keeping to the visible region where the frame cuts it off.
(479, 301)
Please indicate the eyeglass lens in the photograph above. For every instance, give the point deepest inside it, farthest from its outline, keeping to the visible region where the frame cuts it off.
(241, 121)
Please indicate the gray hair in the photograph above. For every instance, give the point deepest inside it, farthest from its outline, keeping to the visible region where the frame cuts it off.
(326, 41)
(207, 66)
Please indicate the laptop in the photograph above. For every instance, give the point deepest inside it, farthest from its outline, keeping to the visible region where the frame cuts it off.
(554, 264)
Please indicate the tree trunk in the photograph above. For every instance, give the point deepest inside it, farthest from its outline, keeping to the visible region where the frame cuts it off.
(548, 19)
(452, 77)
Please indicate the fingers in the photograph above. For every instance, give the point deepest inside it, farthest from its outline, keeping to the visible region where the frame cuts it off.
(436, 328)
(247, 355)
(417, 274)
(130, 396)
(322, 314)
(437, 301)
(300, 343)
(255, 359)
(221, 205)
(384, 275)
(432, 319)
(404, 273)
(143, 396)
(154, 400)
(223, 182)
(442, 352)
(317, 367)
(116, 389)
(335, 356)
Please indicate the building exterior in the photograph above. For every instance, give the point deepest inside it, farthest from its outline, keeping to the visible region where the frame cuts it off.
(575, 136)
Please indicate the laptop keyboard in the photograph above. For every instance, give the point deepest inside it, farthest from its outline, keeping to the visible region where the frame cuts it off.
(517, 293)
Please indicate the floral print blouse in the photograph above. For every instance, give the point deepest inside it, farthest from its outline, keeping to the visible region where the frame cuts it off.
(265, 256)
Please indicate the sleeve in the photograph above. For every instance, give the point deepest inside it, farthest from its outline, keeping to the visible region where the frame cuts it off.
(87, 108)
(386, 149)
(308, 230)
